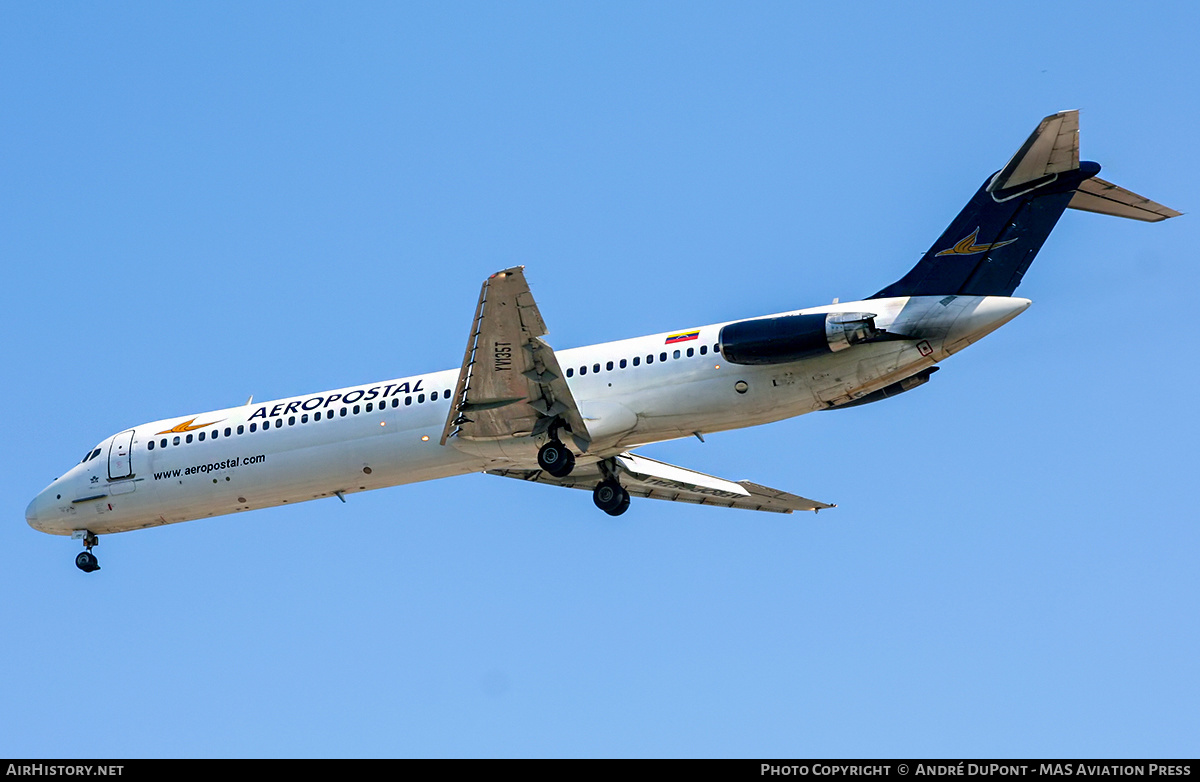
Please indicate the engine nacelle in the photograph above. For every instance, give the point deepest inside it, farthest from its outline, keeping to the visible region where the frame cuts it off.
(907, 384)
(793, 337)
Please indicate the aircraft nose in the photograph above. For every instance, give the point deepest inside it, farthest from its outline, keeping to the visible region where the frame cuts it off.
(31, 512)
(987, 315)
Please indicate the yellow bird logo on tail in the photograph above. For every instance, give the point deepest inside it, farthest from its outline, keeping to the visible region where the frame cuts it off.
(967, 246)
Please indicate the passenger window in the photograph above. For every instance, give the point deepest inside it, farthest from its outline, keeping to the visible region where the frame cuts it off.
(229, 431)
(609, 366)
(662, 356)
(650, 359)
(370, 406)
(595, 367)
(446, 394)
(420, 398)
(395, 401)
(291, 420)
(408, 400)
(242, 430)
(189, 438)
(583, 370)
(343, 413)
(149, 447)
(253, 427)
(162, 443)
(433, 396)
(216, 433)
(637, 361)
(676, 354)
(304, 418)
(691, 352)
(622, 363)
(175, 441)
(356, 408)
(201, 437)
(704, 350)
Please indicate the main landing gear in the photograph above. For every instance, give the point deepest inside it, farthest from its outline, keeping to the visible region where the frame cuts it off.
(611, 497)
(556, 459)
(86, 561)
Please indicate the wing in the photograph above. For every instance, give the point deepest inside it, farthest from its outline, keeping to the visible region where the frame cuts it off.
(510, 384)
(643, 477)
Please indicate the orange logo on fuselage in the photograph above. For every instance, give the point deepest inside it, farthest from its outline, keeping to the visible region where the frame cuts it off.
(968, 247)
(186, 426)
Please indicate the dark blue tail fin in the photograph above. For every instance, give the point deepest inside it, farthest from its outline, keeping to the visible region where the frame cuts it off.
(989, 246)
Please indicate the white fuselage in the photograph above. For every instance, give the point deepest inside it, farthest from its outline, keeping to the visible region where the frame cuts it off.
(388, 433)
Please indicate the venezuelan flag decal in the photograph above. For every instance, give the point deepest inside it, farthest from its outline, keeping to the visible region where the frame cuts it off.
(686, 336)
(968, 247)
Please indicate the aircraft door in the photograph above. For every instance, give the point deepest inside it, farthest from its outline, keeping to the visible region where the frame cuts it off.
(119, 463)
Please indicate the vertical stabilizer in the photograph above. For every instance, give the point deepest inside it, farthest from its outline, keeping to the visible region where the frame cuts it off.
(987, 249)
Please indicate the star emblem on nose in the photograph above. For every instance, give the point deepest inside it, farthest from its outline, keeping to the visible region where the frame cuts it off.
(95, 479)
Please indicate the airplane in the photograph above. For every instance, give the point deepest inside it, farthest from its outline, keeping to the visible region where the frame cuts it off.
(516, 407)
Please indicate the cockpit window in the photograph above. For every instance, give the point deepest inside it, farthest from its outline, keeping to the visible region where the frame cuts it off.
(90, 455)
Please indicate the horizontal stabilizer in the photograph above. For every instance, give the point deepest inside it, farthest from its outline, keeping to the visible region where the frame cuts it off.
(1096, 195)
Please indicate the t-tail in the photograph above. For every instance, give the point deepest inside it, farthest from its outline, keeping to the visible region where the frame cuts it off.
(994, 239)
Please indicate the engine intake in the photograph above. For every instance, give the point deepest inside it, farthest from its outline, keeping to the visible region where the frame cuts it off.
(793, 337)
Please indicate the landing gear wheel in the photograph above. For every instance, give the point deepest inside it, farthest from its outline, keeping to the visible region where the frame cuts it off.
(611, 498)
(556, 459)
(86, 561)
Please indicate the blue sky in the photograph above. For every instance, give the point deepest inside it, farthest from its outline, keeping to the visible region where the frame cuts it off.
(203, 202)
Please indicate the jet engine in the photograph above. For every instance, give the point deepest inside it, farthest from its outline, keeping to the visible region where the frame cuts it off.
(907, 384)
(793, 337)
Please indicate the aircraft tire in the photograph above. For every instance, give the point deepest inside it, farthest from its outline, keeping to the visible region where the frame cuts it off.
(566, 467)
(624, 506)
(611, 498)
(556, 459)
(86, 562)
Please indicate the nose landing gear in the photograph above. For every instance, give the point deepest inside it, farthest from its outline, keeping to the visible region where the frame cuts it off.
(86, 560)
